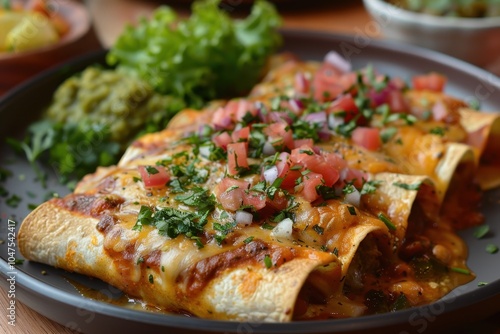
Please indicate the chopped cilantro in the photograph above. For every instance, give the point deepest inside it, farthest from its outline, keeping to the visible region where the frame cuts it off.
(318, 229)
(151, 170)
(460, 270)
(352, 210)
(426, 115)
(491, 248)
(348, 189)
(415, 186)
(388, 133)
(302, 129)
(369, 187)
(268, 262)
(481, 231)
(482, 284)
(326, 192)
(151, 279)
(199, 198)
(440, 131)
(274, 187)
(223, 230)
(390, 225)
(13, 201)
(4, 174)
(267, 226)
(335, 251)
(248, 240)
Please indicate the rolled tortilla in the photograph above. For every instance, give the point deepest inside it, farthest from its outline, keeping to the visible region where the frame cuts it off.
(483, 130)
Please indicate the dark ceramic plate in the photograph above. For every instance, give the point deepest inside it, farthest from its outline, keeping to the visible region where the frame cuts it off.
(52, 294)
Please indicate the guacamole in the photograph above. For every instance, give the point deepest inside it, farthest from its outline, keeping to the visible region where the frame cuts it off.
(124, 104)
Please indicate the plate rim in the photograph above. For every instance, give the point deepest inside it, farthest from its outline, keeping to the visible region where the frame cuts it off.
(492, 290)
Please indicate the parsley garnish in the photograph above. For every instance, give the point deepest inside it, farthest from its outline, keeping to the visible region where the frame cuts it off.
(173, 222)
(415, 186)
(326, 192)
(335, 251)
(390, 225)
(352, 210)
(491, 248)
(199, 198)
(438, 131)
(481, 231)
(13, 201)
(460, 270)
(267, 261)
(369, 187)
(387, 133)
(151, 170)
(248, 240)
(318, 229)
(348, 189)
(223, 230)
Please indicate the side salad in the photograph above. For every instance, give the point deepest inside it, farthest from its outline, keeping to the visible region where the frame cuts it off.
(174, 62)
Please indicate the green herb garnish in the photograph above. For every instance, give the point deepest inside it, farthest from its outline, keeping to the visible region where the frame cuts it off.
(415, 186)
(390, 225)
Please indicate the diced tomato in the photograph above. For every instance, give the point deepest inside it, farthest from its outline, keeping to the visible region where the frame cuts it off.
(368, 138)
(241, 135)
(334, 160)
(317, 163)
(279, 202)
(222, 120)
(285, 172)
(309, 184)
(344, 103)
(397, 102)
(280, 134)
(255, 199)
(222, 140)
(230, 193)
(354, 176)
(301, 83)
(326, 83)
(236, 157)
(432, 81)
(154, 176)
(237, 109)
(307, 142)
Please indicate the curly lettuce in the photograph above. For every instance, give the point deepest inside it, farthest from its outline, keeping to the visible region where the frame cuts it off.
(207, 56)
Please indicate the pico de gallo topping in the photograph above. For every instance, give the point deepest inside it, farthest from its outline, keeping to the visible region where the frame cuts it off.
(272, 148)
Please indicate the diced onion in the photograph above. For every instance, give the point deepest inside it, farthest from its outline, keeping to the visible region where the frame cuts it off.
(333, 58)
(353, 198)
(243, 218)
(268, 149)
(205, 151)
(334, 121)
(271, 174)
(296, 105)
(284, 229)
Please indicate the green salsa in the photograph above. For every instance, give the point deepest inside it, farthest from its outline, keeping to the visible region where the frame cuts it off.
(122, 103)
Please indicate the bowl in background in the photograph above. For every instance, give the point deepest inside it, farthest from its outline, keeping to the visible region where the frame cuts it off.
(475, 40)
(17, 67)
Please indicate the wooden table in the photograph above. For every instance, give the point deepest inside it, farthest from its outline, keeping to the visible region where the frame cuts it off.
(109, 18)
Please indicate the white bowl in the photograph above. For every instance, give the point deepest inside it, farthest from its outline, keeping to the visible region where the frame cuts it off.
(475, 40)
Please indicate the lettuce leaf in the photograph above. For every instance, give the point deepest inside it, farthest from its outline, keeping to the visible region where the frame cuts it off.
(207, 56)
